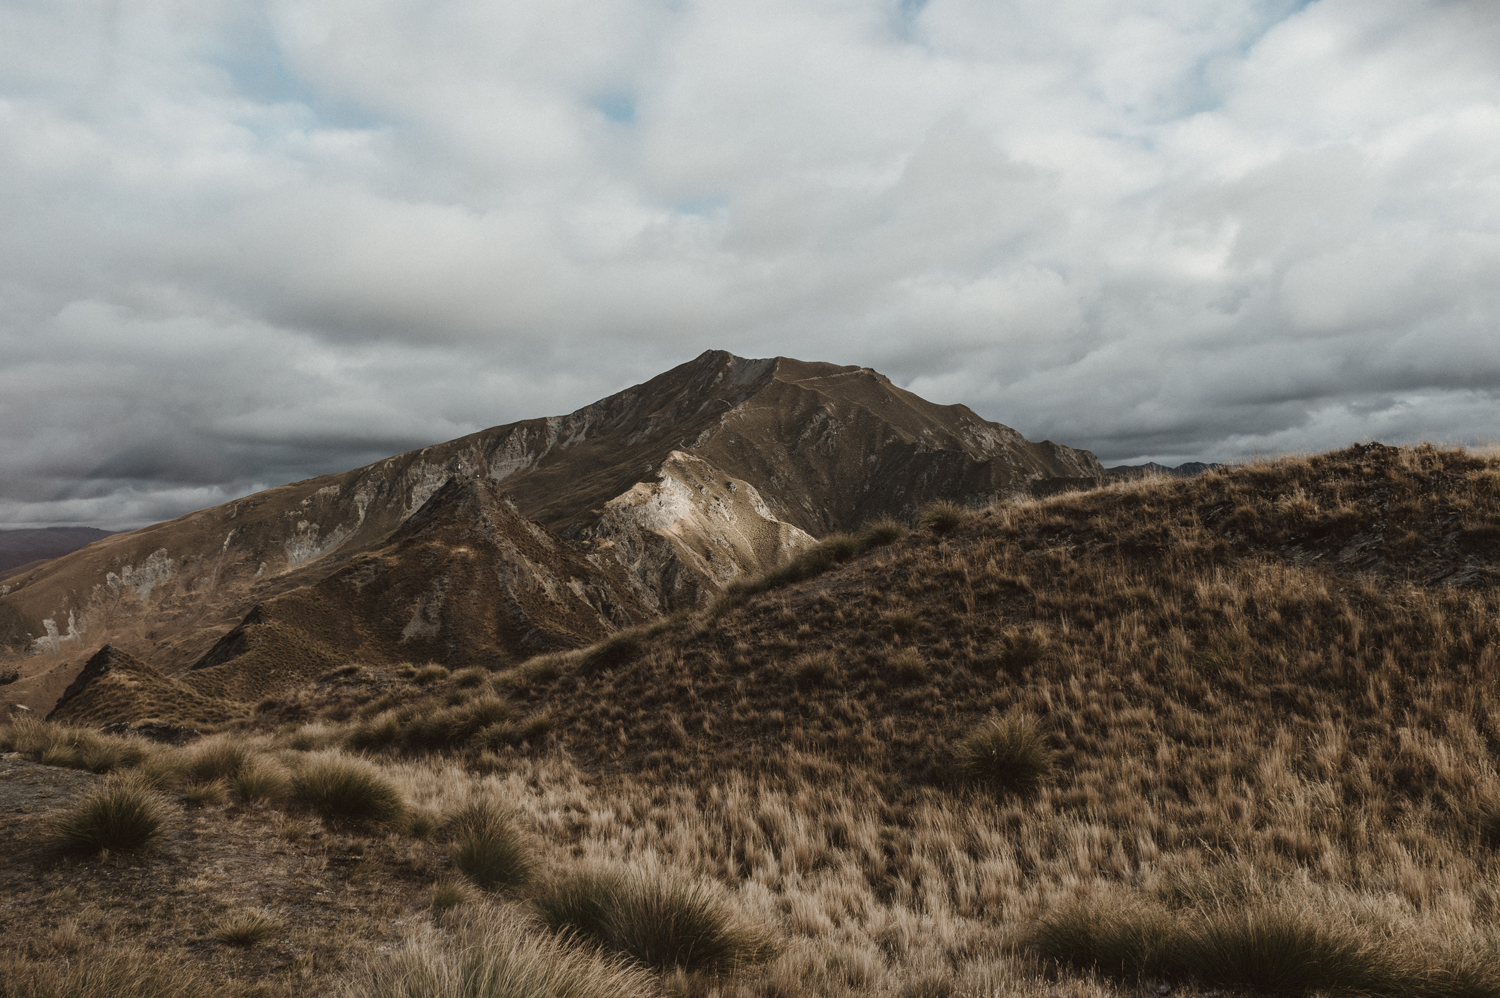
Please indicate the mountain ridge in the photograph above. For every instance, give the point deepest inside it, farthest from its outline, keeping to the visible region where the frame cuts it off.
(669, 489)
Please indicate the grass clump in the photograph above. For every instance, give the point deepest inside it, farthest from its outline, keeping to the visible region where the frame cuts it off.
(69, 747)
(817, 668)
(347, 792)
(487, 846)
(1006, 756)
(219, 758)
(1018, 649)
(883, 531)
(449, 894)
(204, 794)
(245, 929)
(123, 815)
(261, 780)
(118, 973)
(662, 920)
(906, 666)
(429, 674)
(942, 517)
(1270, 946)
(492, 955)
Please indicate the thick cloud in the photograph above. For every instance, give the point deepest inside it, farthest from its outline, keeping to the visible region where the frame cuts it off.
(250, 242)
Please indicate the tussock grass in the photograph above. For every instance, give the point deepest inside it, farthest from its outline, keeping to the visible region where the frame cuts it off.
(449, 894)
(261, 780)
(122, 815)
(429, 674)
(492, 955)
(906, 666)
(245, 929)
(1272, 945)
(73, 748)
(942, 517)
(1006, 756)
(815, 669)
(204, 794)
(126, 972)
(488, 848)
(219, 757)
(346, 792)
(664, 920)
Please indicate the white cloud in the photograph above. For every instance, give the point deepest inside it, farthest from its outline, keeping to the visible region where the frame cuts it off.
(249, 241)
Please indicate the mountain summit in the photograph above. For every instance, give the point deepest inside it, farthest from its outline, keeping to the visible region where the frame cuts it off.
(644, 502)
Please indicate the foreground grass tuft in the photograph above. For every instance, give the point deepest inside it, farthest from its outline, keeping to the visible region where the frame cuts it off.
(347, 792)
(120, 973)
(1006, 756)
(495, 956)
(245, 929)
(660, 919)
(123, 815)
(942, 517)
(487, 847)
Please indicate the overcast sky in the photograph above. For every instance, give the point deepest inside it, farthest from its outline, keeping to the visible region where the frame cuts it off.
(244, 243)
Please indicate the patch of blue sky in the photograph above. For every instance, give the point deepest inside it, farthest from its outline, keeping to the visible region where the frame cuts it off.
(905, 20)
(617, 107)
(252, 59)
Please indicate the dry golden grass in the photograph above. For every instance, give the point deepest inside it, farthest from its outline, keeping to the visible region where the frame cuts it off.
(1267, 696)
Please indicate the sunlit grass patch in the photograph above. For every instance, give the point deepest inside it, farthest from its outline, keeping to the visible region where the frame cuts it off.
(660, 918)
(492, 955)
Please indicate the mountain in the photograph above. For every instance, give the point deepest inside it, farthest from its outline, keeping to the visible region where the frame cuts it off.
(1128, 472)
(663, 493)
(21, 548)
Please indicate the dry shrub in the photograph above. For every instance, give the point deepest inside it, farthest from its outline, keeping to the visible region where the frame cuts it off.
(662, 919)
(494, 955)
(122, 815)
(346, 792)
(487, 846)
(1006, 756)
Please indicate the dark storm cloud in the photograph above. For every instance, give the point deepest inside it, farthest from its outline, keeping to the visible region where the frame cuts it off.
(248, 242)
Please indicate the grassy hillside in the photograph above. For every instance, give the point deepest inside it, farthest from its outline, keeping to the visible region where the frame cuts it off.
(1237, 732)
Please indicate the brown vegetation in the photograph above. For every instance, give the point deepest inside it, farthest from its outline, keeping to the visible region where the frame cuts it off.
(1259, 707)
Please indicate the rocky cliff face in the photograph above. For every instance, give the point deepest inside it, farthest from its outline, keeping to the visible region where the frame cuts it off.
(662, 493)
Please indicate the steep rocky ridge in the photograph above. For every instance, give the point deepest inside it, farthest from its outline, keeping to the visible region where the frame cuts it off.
(668, 489)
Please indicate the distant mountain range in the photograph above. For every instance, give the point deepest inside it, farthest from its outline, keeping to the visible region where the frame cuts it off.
(19, 548)
(532, 536)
